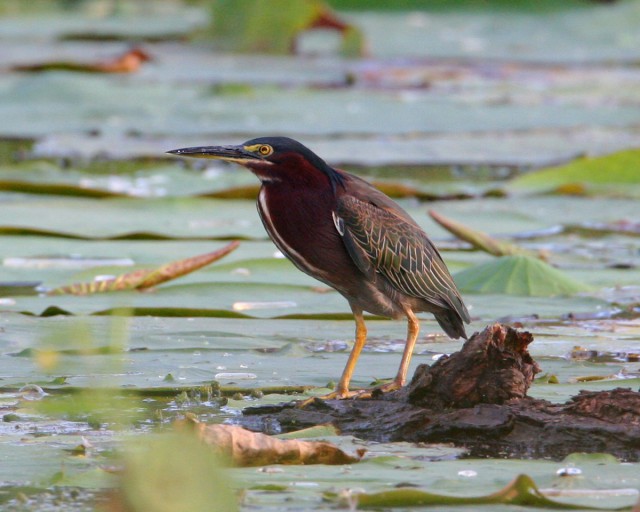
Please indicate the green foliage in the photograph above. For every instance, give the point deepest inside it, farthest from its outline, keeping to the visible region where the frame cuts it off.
(458, 5)
(618, 173)
(174, 473)
(518, 275)
(273, 27)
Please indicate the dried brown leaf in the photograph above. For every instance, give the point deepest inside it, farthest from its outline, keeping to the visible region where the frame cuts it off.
(128, 281)
(128, 62)
(245, 448)
(179, 268)
(144, 279)
(481, 240)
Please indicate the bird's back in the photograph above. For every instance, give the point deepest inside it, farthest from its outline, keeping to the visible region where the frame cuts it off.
(390, 248)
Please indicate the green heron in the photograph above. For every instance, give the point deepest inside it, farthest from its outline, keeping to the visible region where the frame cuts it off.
(342, 231)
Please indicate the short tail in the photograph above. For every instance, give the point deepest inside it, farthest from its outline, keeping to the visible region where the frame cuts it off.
(451, 323)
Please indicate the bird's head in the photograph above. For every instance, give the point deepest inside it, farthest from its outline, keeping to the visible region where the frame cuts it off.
(271, 159)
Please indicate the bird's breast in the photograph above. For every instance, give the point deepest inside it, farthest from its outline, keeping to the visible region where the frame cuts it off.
(300, 224)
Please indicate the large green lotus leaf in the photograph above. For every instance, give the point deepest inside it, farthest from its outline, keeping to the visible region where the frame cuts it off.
(142, 351)
(119, 179)
(470, 150)
(518, 275)
(170, 217)
(58, 102)
(467, 477)
(57, 262)
(215, 218)
(617, 173)
(204, 295)
(156, 179)
(255, 299)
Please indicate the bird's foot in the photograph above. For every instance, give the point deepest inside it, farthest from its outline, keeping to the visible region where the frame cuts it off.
(378, 391)
(334, 395)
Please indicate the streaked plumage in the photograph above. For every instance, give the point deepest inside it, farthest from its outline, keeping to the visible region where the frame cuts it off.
(341, 230)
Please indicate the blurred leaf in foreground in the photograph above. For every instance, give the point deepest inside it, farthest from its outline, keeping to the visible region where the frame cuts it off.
(273, 27)
(245, 448)
(172, 473)
(518, 275)
(144, 279)
(617, 173)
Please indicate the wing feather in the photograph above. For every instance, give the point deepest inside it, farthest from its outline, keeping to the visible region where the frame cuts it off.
(381, 242)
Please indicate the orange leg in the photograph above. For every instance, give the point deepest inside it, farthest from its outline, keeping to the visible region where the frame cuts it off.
(413, 329)
(342, 389)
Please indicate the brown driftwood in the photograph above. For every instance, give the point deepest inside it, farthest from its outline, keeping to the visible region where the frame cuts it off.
(476, 398)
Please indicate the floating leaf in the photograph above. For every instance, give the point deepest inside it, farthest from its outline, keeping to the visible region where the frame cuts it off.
(518, 275)
(616, 172)
(143, 279)
(60, 189)
(245, 448)
(326, 430)
(128, 62)
(521, 491)
(478, 239)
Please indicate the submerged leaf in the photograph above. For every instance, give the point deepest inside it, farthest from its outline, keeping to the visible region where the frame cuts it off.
(245, 448)
(518, 275)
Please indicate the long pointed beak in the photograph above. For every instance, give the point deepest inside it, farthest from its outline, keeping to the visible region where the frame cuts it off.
(236, 154)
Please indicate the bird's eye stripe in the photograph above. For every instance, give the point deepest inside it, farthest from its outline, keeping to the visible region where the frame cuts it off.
(260, 149)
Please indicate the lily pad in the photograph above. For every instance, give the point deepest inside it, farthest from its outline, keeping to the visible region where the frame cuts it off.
(616, 173)
(518, 275)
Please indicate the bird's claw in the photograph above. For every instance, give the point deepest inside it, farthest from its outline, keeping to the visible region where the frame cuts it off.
(334, 395)
(355, 395)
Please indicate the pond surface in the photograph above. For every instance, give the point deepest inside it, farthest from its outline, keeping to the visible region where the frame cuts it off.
(457, 117)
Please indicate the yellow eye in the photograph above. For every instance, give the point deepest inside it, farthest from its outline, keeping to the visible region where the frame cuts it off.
(265, 150)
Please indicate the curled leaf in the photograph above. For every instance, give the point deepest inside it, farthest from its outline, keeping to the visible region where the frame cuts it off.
(245, 448)
(522, 491)
(128, 281)
(179, 268)
(143, 279)
(128, 62)
(480, 240)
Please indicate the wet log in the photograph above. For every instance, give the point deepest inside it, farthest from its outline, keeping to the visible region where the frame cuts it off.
(492, 367)
(476, 398)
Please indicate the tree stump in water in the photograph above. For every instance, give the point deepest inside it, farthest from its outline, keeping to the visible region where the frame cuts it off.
(492, 367)
(476, 398)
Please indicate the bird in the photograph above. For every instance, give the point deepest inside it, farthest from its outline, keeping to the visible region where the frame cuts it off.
(344, 232)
